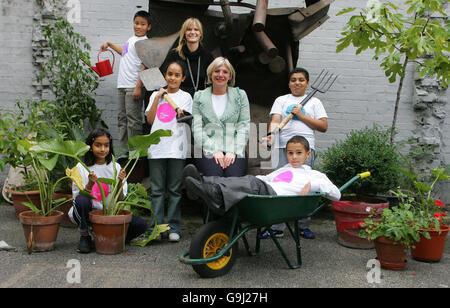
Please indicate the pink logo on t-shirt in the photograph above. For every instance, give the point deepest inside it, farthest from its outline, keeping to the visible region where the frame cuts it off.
(165, 113)
(125, 49)
(97, 193)
(284, 177)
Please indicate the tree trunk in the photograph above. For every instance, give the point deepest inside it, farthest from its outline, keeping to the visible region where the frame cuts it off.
(397, 100)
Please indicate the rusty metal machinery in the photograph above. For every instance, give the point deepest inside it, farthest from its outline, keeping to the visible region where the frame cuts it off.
(262, 44)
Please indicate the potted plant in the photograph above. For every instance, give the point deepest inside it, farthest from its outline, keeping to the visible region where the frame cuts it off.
(41, 222)
(15, 125)
(367, 149)
(393, 233)
(429, 216)
(111, 223)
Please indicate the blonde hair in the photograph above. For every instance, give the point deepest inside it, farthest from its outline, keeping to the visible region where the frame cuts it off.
(219, 61)
(182, 41)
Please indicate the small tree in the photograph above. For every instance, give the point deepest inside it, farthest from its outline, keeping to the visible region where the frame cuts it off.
(399, 39)
(71, 81)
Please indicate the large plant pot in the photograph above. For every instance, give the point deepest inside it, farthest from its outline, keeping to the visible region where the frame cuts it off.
(19, 198)
(431, 250)
(65, 208)
(349, 215)
(42, 231)
(392, 256)
(110, 231)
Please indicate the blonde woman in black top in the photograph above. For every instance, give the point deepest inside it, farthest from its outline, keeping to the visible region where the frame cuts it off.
(191, 52)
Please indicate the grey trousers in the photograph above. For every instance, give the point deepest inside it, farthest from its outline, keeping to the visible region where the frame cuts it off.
(234, 189)
(129, 115)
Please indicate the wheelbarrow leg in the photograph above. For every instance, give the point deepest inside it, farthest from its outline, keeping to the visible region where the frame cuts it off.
(283, 252)
(296, 235)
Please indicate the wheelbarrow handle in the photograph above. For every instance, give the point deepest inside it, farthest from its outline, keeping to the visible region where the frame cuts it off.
(362, 175)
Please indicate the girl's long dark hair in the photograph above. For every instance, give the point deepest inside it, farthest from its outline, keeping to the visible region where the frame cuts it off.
(89, 158)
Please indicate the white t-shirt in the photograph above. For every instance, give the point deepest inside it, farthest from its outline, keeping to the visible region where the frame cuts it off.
(290, 181)
(130, 64)
(283, 106)
(177, 145)
(219, 103)
(101, 171)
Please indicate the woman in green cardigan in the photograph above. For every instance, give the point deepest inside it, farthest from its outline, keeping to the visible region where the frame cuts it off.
(221, 123)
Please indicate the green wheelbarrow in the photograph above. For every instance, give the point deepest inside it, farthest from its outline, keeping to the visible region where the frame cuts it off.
(213, 249)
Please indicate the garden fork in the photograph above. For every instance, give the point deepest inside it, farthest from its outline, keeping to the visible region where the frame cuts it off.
(322, 84)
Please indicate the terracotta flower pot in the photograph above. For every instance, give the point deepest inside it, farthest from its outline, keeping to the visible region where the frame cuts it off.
(110, 231)
(391, 256)
(19, 198)
(431, 250)
(40, 232)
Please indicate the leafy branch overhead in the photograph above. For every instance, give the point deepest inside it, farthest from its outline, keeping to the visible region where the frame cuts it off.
(419, 36)
(392, 35)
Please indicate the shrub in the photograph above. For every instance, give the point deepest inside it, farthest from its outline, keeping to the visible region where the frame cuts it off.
(363, 150)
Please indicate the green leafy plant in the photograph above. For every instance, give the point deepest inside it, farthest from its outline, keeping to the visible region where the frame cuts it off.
(139, 145)
(395, 224)
(367, 149)
(399, 38)
(72, 83)
(138, 194)
(74, 149)
(42, 165)
(15, 125)
(428, 212)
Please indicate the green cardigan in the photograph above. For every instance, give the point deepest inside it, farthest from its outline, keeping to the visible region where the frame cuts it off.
(230, 132)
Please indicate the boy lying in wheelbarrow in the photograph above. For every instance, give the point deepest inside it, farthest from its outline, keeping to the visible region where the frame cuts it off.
(295, 178)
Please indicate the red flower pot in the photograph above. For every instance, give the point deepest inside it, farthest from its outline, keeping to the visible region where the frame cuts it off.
(431, 250)
(349, 215)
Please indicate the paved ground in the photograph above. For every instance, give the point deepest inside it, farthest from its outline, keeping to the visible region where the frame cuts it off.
(325, 263)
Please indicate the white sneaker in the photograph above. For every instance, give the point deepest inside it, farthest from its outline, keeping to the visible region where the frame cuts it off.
(174, 237)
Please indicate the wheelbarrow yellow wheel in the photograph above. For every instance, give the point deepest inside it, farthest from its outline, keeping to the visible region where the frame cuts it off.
(209, 240)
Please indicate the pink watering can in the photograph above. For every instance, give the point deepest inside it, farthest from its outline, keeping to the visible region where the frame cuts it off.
(103, 68)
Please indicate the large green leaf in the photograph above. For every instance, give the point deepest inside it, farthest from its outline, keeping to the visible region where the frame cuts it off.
(68, 148)
(142, 143)
(48, 163)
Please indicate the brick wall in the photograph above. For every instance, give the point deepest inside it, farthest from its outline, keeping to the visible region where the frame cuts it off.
(16, 67)
(361, 96)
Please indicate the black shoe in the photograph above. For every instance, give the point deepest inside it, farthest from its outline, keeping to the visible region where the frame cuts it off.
(191, 171)
(208, 192)
(85, 244)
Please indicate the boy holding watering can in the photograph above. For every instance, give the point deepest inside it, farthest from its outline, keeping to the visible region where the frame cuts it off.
(130, 96)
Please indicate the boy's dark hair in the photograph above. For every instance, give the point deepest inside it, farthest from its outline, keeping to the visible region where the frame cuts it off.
(299, 139)
(180, 63)
(89, 158)
(299, 70)
(143, 14)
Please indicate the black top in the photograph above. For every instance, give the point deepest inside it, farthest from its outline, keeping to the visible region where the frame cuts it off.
(193, 58)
